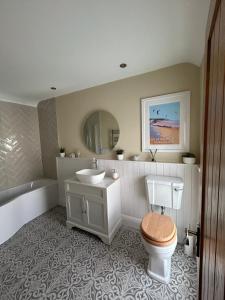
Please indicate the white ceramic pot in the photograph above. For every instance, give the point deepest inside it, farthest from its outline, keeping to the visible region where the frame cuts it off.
(189, 160)
(120, 156)
(62, 154)
(135, 157)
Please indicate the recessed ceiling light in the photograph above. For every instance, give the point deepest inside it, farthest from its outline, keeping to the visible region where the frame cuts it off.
(53, 88)
(123, 65)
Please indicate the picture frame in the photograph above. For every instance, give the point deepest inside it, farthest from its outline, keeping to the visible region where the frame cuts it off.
(166, 122)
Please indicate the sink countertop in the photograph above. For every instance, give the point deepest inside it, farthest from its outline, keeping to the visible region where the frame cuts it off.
(104, 184)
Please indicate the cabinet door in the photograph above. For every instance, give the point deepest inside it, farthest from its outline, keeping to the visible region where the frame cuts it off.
(75, 207)
(96, 213)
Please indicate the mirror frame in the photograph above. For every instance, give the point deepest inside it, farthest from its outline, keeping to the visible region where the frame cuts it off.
(83, 128)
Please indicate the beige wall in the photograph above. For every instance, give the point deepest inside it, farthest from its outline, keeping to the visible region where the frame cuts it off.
(122, 99)
(48, 136)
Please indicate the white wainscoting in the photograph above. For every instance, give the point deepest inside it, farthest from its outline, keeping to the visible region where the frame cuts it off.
(133, 197)
(66, 167)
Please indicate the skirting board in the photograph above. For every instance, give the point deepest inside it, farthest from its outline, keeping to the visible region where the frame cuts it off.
(131, 221)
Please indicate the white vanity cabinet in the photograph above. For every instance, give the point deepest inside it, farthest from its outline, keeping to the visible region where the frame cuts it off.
(94, 208)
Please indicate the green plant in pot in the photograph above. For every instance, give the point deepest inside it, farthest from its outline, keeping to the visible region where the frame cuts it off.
(120, 154)
(62, 152)
(189, 158)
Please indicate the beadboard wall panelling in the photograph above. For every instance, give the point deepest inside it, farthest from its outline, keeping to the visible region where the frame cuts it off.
(133, 195)
(20, 151)
(65, 169)
(49, 136)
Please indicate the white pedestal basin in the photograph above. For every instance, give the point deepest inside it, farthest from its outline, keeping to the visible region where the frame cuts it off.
(90, 176)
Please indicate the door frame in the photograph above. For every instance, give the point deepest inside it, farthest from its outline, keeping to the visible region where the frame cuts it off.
(214, 8)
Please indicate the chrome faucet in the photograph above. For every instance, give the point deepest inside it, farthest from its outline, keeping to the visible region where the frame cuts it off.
(94, 163)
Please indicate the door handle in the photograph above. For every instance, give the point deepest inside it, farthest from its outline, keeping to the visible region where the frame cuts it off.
(178, 189)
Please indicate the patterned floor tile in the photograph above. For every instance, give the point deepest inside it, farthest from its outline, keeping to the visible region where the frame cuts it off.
(46, 260)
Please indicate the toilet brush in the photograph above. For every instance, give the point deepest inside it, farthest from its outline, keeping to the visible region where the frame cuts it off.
(186, 239)
(188, 243)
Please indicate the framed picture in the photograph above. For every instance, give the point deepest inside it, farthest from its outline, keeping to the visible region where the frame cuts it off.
(166, 122)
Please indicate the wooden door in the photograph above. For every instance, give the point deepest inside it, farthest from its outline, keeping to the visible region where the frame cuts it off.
(212, 268)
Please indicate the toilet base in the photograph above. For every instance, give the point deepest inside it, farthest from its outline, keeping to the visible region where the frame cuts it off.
(159, 265)
(159, 269)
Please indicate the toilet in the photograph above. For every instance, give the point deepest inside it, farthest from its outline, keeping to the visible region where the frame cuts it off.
(158, 231)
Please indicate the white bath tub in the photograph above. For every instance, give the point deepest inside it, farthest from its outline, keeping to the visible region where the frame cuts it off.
(23, 203)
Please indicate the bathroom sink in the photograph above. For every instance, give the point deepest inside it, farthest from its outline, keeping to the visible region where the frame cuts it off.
(90, 176)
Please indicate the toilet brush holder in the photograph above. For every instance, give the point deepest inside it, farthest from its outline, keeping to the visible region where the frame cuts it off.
(189, 241)
(189, 246)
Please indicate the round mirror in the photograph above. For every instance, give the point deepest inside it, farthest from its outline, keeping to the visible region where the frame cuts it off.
(101, 132)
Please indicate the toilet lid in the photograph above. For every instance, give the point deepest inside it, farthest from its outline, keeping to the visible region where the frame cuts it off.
(159, 228)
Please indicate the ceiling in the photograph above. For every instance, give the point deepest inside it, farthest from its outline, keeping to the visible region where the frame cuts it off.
(76, 44)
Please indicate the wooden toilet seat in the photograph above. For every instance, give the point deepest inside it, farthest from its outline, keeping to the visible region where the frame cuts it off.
(158, 230)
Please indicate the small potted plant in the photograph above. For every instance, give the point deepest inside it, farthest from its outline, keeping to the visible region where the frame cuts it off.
(62, 152)
(120, 154)
(189, 158)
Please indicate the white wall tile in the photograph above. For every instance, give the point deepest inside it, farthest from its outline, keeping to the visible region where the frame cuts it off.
(20, 150)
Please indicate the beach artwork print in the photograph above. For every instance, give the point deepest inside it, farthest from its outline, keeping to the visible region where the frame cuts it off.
(164, 124)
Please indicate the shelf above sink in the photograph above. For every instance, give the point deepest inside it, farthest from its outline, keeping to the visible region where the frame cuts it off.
(92, 176)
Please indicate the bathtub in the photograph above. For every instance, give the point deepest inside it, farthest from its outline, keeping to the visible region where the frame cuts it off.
(21, 204)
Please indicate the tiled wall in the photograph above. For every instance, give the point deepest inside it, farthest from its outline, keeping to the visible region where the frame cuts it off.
(49, 136)
(20, 152)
